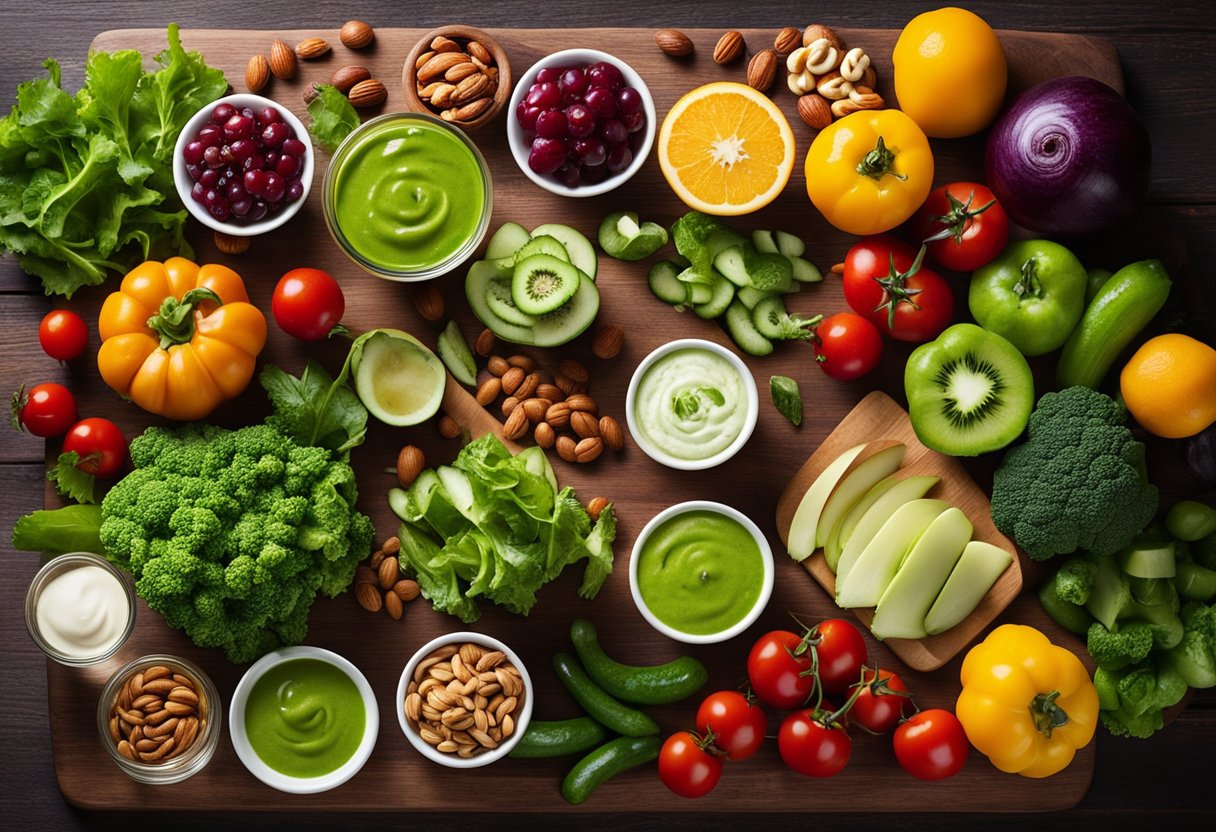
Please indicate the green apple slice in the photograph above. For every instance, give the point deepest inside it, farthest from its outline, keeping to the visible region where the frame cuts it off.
(879, 561)
(905, 603)
(844, 527)
(901, 492)
(974, 574)
(859, 479)
(804, 527)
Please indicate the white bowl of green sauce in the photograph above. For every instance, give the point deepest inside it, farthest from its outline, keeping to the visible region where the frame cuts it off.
(701, 572)
(407, 196)
(303, 720)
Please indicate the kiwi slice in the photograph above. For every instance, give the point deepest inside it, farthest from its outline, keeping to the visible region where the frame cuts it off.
(499, 300)
(969, 392)
(541, 283)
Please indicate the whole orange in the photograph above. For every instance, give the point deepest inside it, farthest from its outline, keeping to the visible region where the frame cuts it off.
(1169, 386)
(950, 72)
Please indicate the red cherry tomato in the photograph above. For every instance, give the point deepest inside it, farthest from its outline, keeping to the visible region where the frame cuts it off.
(811, 747)
(63, 335)
(101, 445)
(932, 745)
(780, 677)
(842, 652)
(686, 767)
(308, 304)
(734, 722)
(972, 226)
(881, 703)
(44, 410)
(886, 281)
(847, 346)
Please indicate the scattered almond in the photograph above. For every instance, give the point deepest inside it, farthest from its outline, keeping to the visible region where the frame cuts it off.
(388, 573)
(488, 391)
(544, 435)
(573, 370)
(527, 388)
(406, 589)
(535, 409)
(355, 34)
(508, 405)
(787, 40)
(568, 385)
(566, 448)
(393, 605)
(511, 380)
(583, 402)
(815, 110)
(310, 49)
(257, 73)
(596, 507)
(524, 362)
(428, 300)
(673, 42)
(230, 243)
(584, 424)
(558, 415)
(729, 48)
(348, 76)
(497, 366)
(608, 341)
(368, 595)
(588, 449)
(369, 93)
(485, 342)
(391, 546)
(283, 64)
(762, 70)
(516, 425)
(611, 433)
(449, 428)
(550, 391)
(410, 462)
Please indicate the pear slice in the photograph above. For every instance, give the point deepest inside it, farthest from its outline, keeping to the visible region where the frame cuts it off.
(901, 492)
(866, 472)
(907, 599)
(879, 561)
(804, 528)
(844, 527)
(974, 574)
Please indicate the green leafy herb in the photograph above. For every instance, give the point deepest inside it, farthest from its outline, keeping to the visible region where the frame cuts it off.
(701, 238)
(786, 398)
(687, 403)
(70, 481)
(70, 529)
(713, 394)
(315, 409)
(333, 117)
(86, 181)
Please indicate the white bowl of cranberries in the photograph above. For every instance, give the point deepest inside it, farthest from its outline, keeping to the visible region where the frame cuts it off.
(580, 122)
(243, 165)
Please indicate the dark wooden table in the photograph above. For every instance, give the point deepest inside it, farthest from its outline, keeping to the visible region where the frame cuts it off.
(1168, 51)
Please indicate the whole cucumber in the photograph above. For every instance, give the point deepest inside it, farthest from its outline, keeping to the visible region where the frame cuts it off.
(596, 702)
(606, 762)
(1121, 308)
(558, 738)
(653, 685)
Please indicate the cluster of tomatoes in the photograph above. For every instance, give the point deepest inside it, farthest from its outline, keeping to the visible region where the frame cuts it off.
(890, 288)
(796, 673)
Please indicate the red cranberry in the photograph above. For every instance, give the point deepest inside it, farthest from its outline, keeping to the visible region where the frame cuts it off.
(222, 113)
(601, 101)
(551, 124)
(546, 156)
(293, 146)
(287, 166)
(604, 74)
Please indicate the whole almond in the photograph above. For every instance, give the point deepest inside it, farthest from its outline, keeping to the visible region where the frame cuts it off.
(393, 605)
(369, 93)
(596, 507)
(815, 110)
(366, 575)
(368, 596)
(472, 88)
(573, 370)
(787, 40)
(610, 432)
(375, 560)
(568, 385)
(516, 425)
(550, 391)
(391, 546)
(348, 76)
(283, 62)
(527, 388)
(535, 409)
(489, 390)
(584, 424)
(583, 402)
(439, 64)
(588, 449)
(558, 415)
(443, 44)
(230, 243)
(673, 42)
(544, 435)
(524, 362)
(461, 71)
(478, 52)
(729, 48)
(511, 380)
(473, 110)
(421, 60)
(816, 31)
(355, 34)
(449, 428)
(441, 94)
(410, 462)
(567, 448)
(310, 49)
(257, 73)
(608, 341)
(388, 573)
(509, 404)
(497, 366)
(428, 300)
(406, 589)
(762, 70)
(484, 345)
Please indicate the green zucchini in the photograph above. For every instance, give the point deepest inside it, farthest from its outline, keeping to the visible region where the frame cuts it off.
(595, 700)
(652, 685)
(606, 762)
(559, 738)
(1121, 308)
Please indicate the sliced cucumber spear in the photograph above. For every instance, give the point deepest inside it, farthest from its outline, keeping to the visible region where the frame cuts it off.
(779, 242)
(454, 353)
(622, 237)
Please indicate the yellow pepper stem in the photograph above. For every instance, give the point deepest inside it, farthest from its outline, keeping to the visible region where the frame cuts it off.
(879, 162)
(174, 321)
(1047, 715)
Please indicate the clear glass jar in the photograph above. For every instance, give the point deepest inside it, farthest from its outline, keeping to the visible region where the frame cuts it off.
(173, 768)
(57, 568)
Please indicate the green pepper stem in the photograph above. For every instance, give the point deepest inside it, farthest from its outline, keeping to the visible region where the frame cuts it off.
(174, 321)
(879, 162)
(1047, 714)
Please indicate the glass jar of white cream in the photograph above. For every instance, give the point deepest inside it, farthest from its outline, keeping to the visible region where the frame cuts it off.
(80, 609)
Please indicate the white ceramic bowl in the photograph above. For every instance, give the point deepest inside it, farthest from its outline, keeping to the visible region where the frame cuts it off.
(283, 782)
(522, 716)
(766, 558)
(579, 57)
(184, 183)
(658, 454)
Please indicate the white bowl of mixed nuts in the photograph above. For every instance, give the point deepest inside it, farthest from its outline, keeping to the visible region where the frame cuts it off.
(464, 700)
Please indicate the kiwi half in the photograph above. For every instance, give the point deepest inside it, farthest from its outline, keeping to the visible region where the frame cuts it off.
(969, 392)
(542, 283)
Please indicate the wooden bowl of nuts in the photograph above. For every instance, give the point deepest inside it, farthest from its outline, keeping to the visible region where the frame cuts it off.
(458, 73)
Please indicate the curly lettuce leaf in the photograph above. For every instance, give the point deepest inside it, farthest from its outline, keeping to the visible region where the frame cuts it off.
(70, 481)
(75, 528)
(333, 117)
(315, 409)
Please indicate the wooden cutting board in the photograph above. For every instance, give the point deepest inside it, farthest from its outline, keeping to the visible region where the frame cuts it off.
(397, 778)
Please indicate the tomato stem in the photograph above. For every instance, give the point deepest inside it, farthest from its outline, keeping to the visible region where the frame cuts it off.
(879, 162)
(895, 289)
(957, 218)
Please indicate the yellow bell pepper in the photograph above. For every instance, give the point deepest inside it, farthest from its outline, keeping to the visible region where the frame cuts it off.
(178, 339)
(869, 171)
(1027, 704)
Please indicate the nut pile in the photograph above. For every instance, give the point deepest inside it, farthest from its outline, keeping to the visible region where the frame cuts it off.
(463, 700)
(157, 715)
(457, 79)
(283, 63)
(379, 585)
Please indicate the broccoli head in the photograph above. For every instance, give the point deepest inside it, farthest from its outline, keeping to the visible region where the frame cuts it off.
(1077, 482)
(1075, 580)
(1116, 650)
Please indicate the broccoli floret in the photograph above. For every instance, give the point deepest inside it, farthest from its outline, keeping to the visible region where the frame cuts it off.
(1115, 650)
(1194, 657)
(1132, 699)
(1075, 580)
(1077, 482)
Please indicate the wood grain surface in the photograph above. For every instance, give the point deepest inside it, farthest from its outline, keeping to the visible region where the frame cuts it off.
(1151, 39)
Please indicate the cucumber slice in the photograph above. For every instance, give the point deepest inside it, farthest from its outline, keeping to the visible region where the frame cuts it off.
(697, 293)
(788, 244)
(506, 240)
(729, 263)
(582, 255)
(569, 320)
(804, 271)
(622, 237)
(763, 241)
(664, 283)
(505, 266)
(745, 266)
(541, 283)
(1149, 559)
(454, 353)
(498, 298)
(477, 285)
(767, 314)
(544, 244)
(743, 331)
(723, 292)
(749, 297)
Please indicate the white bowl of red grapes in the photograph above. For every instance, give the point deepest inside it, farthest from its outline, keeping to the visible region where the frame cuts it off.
(580, 122)
(243, 165)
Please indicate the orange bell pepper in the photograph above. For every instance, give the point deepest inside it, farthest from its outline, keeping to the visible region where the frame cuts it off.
(178, 339)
